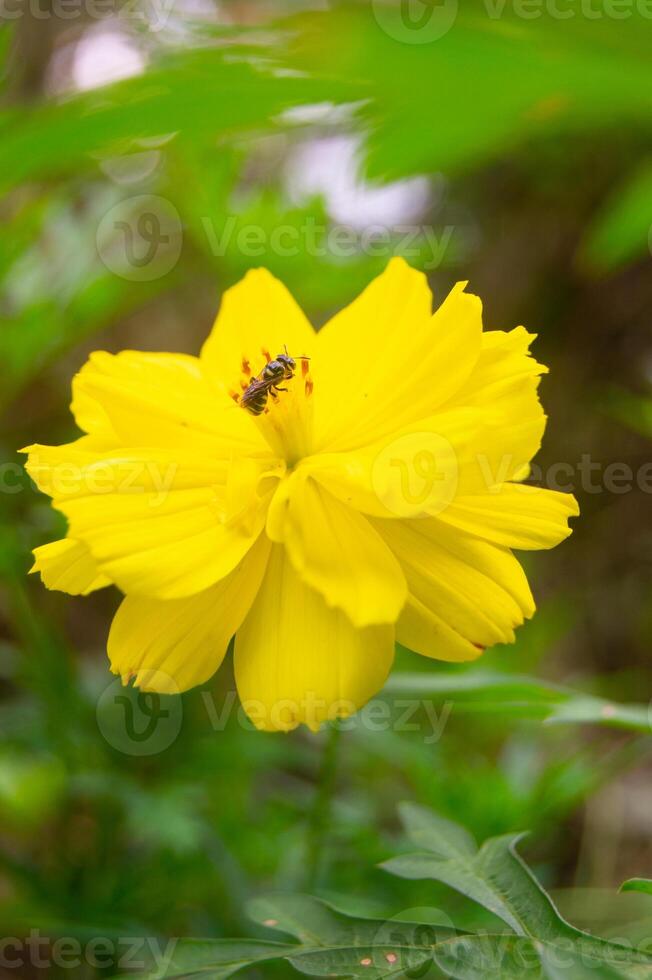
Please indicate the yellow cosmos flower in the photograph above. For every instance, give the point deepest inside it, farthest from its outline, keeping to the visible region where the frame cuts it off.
(375, 499)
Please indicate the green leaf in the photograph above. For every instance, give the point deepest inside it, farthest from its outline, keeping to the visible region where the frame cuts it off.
(637, 885)
(307, 919)
(443, 95)
(512, 694)
(236, 96)
(435, 833)
(217, 958)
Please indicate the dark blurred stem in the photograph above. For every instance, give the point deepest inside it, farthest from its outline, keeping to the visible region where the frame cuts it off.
(320, 813)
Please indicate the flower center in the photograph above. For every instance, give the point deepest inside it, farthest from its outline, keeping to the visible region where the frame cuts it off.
(277, 393)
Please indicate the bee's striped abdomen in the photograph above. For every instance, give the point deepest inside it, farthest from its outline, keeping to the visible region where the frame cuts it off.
(254, 399)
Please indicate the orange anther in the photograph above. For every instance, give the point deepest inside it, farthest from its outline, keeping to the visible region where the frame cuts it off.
(308, 386)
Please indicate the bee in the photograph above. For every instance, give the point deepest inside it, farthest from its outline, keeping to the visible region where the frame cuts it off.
(268, 382)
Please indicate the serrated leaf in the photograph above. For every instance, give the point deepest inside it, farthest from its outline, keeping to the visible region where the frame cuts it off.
(331, 943)
(497, 878)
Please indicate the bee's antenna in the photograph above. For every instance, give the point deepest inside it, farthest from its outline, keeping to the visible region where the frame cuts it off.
(297, 357)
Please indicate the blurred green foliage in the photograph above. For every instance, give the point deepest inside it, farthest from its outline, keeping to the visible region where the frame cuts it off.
(533, 138)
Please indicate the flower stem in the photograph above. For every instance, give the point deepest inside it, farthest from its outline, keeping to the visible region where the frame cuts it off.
(320, 812)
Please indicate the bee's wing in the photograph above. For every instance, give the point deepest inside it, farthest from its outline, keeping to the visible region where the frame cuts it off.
(254, 387)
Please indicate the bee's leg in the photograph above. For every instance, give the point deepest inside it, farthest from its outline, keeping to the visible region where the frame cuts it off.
(280, 389)
(273, 394)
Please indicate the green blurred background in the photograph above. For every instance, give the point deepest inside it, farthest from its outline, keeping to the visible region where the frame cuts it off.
(149, 155)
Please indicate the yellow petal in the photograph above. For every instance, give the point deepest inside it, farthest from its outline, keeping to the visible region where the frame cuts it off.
(415, 471)
(170, 646)
(503, 387)
(385, 361)
(502, 450)
(158, 399)
(256, 314)
(87, 467)
(68, 566)
(297, 661)
(336, 551)
(55, 469)
(157, 522)
(421, 630)
(504, 367)
(478, 590)
(515, 515)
